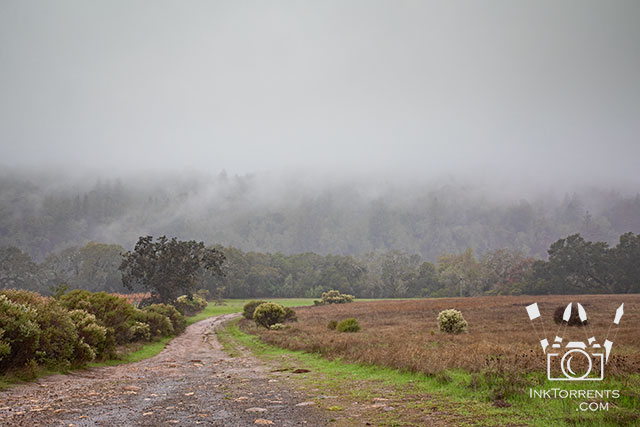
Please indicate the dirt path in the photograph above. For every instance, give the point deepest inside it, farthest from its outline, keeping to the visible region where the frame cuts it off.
(191, 382)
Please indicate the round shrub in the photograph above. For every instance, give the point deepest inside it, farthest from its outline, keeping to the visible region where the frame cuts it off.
(83, 353)
(335, 297)
(140, 332)
(348, 325)
(451, 322)
(159, 325)
(574, 319)
(190, 306)
(58, 342)
(250, 307)
(178, 321)
(111, 311)
(268, 314)
(333, 324)
(91, 333)
(20, 333)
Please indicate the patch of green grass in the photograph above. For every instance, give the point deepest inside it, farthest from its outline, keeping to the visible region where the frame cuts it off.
(146, 351)
(452, 392)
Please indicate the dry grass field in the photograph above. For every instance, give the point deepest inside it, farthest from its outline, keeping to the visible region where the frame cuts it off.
(500, 338)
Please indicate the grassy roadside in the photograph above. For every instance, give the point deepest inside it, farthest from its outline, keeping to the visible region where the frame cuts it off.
(230, 306)
(148, 350)
(448, 397)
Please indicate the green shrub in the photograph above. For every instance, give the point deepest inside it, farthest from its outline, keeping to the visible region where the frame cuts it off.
(451, 322)
(58, 344)
(250, 307)
(5, 347)
(20, 333)
(92, 334)
(290, 315)
(178, 321)
(190, 306)
(140, 332)
(204, 294)
(83, 353)
(159, 325)
(73, 330)
(111, 311)
(332, 324)
(335, 297)
(277, 327)
(21, 296)
(348, 325)
(268, 314)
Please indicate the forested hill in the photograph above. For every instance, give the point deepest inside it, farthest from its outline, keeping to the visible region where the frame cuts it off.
(41, 214)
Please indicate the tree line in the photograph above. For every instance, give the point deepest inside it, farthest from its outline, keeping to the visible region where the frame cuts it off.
(574, 265)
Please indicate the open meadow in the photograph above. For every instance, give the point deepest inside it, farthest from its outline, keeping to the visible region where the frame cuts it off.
(498, 361)
(404, 334)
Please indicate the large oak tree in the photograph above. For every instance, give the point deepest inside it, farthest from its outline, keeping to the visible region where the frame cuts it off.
(169, 268)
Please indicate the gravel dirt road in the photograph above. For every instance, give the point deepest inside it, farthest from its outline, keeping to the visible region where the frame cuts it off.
(191, 382)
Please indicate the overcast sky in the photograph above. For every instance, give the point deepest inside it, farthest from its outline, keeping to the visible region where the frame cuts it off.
(532, 88)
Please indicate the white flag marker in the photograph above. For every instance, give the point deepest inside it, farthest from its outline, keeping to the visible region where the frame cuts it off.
(619, 313)
(567, 313)
(533, 311)
(582, 313)
(607, 345)
(544, 343)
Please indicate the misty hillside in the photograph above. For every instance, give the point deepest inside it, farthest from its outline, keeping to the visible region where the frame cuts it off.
(294, 215)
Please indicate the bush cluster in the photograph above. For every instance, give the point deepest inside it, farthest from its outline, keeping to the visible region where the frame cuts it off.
(178, 322)
(250, 307)
(334, 297)
(190, 306)
(157, 325)
(111, 311)
(269, 314)
(38, 331)
(91, 332)
(451, 322)
(74, 329)
(348, 325)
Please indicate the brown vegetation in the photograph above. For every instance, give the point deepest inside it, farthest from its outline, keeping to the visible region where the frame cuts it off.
(404, 334)
(134, 298)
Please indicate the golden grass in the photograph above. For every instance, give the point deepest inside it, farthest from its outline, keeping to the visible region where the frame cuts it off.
(404, 334)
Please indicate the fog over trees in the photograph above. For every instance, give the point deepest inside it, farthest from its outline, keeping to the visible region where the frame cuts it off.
(263, 214)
